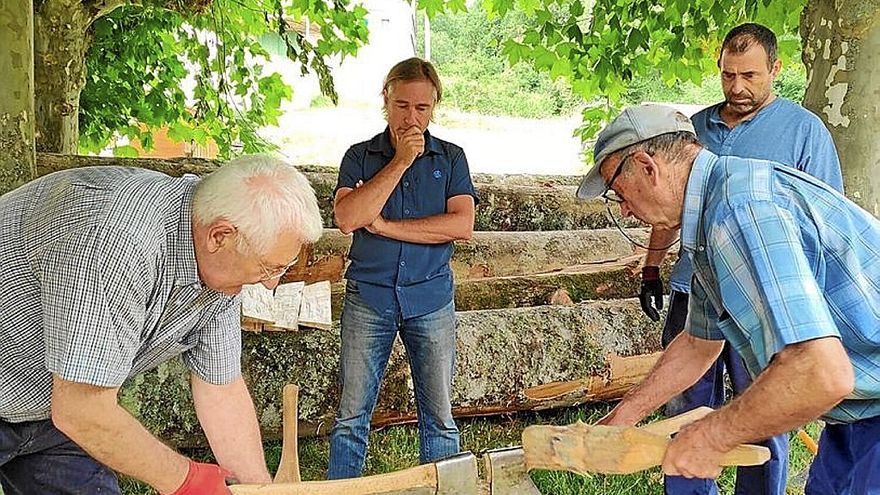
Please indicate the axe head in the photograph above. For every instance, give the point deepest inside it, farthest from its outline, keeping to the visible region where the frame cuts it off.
(506, 472)
(457, 475)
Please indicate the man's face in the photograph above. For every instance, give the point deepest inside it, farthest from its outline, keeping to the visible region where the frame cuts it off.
(746, 80)
(228, 270)
(409, 104)
(638, 187)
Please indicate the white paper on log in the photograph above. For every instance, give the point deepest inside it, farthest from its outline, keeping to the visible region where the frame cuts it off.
(315, 309)
(288, 298)
(258, 303)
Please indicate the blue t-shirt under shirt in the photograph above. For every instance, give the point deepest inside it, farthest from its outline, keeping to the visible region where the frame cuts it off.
(783, 132)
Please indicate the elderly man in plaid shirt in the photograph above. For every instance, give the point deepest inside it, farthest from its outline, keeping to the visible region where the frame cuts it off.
(105, 272)
(786, 269)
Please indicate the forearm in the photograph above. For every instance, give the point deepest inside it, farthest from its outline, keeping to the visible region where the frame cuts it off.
(685, 360)
(96, 423)
(226, 413)
(436, 229)
(659, 243)
(359, 207)
(802, 382)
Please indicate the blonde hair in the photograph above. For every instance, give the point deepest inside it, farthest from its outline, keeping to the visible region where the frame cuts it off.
(262, 196)
(413, 69)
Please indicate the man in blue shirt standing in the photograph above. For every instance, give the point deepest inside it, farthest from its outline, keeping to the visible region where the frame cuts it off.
(785, 270)
(406, 196)
(752, 122)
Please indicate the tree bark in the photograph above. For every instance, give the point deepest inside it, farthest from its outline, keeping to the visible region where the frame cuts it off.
(17, 97)
(487, 254)
(841, 49)
(61, 40)
(540, 345)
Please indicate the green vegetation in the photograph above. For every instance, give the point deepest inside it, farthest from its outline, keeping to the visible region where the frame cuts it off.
(397, 448)
(478, 75)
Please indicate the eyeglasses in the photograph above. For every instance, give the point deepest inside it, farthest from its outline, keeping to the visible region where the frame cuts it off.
(611, 194)
(268, 274)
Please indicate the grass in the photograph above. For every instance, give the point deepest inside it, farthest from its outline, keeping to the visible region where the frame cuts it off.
(396, 448)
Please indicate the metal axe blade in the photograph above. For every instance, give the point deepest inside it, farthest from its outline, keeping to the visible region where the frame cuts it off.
(457, 475)
(506, 472)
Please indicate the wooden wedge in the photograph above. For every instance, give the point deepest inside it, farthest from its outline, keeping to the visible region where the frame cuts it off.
(666, 427)
(288, 467)
(581, 448)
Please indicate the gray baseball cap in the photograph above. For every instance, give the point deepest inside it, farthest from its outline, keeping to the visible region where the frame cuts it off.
(633, 125)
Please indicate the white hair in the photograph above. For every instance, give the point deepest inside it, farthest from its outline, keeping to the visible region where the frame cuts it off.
(262, 196)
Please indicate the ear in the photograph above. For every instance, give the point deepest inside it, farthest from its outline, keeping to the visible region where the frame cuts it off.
(774, 71)
(220, 235)
(647, 164)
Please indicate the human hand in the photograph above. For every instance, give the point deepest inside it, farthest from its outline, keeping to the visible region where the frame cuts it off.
(410, 145)
(651, 295)
(204, 479)
(693, 453)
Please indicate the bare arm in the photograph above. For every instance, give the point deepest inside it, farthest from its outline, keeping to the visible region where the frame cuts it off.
(92, 418)
(685, 360)
(456, 224)
(803, 381)
(660, 238)
(359, 207)
(226, 413)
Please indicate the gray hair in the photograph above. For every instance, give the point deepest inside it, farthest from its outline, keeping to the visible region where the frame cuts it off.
(262, 196)
(673, 146)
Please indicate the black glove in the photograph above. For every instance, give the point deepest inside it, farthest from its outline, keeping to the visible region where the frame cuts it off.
(651, 295)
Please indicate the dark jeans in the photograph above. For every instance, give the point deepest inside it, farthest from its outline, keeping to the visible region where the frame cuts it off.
(36, 458)
(848, 462)
(768, 479)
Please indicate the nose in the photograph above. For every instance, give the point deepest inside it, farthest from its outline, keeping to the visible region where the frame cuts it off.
(738, 86)
(271, 283)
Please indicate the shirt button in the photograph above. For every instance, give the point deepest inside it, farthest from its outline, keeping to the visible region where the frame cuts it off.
(403, 263)
(701, 248)
(406, 211)
(406, 183)
(398, 289)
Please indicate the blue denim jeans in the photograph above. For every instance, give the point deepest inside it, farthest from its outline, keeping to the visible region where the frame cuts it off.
(767, 479)
(367, 338)
(37, 459)
(848, 462)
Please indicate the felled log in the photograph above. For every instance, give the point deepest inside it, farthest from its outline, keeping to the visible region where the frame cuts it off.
(614, 279)
(540, 345)
(487, 254)
(539, 205)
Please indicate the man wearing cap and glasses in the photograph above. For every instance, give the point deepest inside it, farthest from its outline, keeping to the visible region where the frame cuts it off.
(752, 122)
(785, 269)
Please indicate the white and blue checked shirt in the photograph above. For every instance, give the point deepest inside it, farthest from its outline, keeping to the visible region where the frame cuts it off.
(98, 282)
(782, 258)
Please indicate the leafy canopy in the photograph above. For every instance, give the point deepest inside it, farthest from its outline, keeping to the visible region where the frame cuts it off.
(142, 57)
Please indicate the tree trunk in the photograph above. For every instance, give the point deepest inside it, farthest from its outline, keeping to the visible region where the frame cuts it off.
(540, 345)
(17, 96)
(841, 40)
(61, 40)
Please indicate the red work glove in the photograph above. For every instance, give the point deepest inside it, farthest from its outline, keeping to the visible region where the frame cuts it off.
(204, 479)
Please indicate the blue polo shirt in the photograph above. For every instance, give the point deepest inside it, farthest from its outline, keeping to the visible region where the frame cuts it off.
(782, 258)
(783, 132)
(416, 276)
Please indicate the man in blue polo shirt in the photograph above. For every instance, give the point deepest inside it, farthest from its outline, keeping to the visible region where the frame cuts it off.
(407, 196)
(752, 122)
(785, 269)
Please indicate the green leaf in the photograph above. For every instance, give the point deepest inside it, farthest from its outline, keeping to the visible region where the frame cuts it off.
(125, 151)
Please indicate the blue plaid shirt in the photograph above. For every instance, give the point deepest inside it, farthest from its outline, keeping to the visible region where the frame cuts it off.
(781, 258)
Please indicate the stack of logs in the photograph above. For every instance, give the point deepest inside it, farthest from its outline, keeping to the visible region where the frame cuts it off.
(543, 293)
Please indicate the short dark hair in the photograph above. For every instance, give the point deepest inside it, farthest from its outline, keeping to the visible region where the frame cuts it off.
(414, 69)
(742, 37)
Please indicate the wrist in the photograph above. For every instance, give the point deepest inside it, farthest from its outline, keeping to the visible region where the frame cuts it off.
(650, 273)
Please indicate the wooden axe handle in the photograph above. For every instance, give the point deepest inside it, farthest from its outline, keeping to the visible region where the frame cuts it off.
(288, 467)
(420, 477)
(746, 455)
